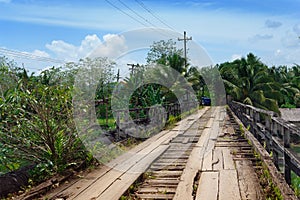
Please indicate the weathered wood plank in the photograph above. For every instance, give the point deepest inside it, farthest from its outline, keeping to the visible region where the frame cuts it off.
(209, 123)
(104, 182)
(203, 140)
(121, 184)
(165, 173)
(207, 162)
(79, 185)
(208, 186)
(185, 140)
(185, 186)
(163, 182)
(217, 159)
(229, 188)
(155, 196)
(248, 180)
(83, 183)
(157, 190)
(227, 158)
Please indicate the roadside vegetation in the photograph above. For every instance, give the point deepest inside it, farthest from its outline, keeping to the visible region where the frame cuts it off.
(250, 81)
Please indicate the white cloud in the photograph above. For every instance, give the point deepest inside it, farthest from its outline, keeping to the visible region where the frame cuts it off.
(41, 53)
(63, 50)
(89, 43)
(113, 46)
(91, 46)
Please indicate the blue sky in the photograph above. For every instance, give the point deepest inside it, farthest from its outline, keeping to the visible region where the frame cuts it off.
(69, 30)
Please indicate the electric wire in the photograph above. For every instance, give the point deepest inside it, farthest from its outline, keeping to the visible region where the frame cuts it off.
(30, 56)
(125, 13)
(154, 15)
(161, 31)
(137, 14)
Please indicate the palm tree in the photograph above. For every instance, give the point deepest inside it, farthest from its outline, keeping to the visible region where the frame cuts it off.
(285, 79)
(247, 80)
(294, 76)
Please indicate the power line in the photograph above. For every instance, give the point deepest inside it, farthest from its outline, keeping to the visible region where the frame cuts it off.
(30, 56)
(137, 14)
(116, 7)
(151, 12)
(132, 17)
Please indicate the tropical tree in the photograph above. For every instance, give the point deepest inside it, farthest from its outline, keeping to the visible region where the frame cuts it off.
(166, 53)
(197, 81)
(284, 77)
(247, 80)
(294, 76)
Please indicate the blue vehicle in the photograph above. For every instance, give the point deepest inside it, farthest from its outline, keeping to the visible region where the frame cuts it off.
(205, 101)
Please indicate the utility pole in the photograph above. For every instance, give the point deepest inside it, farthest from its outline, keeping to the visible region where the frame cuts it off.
(133, 66)
(185, 39)
(118, 76)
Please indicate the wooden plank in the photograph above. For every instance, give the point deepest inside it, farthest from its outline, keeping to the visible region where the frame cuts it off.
(157, 190)
(227, 158)
(222, 114)
(184, 124)
(248, 180)
(167, 167)
(185, 186)
(203, 140)
(121, 184)
(80, 184)
(155, 196)
(208, 186)
(104, 182)
(215, 130)
(185, 140)
(165, 173)
(209, 123)
(229, 188)
(217, 162)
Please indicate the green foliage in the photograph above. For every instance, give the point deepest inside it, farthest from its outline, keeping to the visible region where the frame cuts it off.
(111, 123)
(250, 81)
(36, 122)
(296, 184)
(287, 105)
(161, 50)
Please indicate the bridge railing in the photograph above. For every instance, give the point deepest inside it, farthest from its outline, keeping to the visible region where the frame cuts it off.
(154, 117)
(273, 133)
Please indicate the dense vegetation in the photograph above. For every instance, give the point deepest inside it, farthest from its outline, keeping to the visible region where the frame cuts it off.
(36, 125)
(249, 81)
(36, 110)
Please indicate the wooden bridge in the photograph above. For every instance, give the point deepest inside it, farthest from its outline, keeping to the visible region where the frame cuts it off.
(208, 155)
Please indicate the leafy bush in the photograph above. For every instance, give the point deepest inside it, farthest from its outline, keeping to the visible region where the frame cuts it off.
(36, 122)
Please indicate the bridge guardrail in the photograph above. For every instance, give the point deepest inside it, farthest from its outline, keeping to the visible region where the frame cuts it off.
(273, 133)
